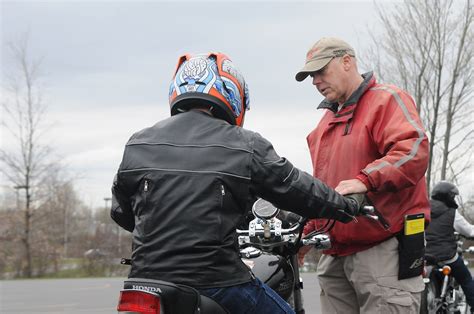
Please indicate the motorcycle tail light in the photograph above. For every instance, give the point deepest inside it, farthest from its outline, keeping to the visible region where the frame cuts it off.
(138, 301)
(446, 270)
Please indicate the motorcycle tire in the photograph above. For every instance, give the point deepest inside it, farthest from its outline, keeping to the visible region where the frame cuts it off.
(464, 308)
(428, 297)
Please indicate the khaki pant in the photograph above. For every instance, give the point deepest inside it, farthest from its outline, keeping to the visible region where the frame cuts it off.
(367, 282)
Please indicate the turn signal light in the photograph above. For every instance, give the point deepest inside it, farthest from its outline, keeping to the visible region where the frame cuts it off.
(139, 301)
(446, 270)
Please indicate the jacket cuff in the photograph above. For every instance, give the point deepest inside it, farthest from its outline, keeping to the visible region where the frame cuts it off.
(365, 179)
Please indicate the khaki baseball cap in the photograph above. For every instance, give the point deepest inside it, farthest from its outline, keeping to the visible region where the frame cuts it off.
(323, 51)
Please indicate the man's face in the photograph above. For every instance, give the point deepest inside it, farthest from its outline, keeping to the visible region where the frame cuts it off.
(330, 81)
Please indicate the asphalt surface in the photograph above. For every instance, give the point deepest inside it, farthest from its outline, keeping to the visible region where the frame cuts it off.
(92, 295)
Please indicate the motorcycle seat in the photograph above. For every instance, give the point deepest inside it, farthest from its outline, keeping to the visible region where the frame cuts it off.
(176, 298)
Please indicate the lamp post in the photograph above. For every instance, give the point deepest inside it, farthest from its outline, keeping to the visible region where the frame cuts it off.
(66, 227)
(119, 238)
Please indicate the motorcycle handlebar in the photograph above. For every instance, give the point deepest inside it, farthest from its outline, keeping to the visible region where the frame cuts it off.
(261, 231)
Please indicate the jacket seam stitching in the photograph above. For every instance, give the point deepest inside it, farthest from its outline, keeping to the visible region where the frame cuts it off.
(182, 170)
(189, 145)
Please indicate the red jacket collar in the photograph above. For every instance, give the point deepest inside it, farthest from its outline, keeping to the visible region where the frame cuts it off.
(369, 81)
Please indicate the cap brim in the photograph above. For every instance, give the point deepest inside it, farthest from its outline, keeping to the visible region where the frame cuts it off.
(310, 67)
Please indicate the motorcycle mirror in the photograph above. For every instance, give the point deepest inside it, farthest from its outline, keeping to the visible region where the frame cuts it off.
(264, 209)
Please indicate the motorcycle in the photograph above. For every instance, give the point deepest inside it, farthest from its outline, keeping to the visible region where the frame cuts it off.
(442, 293)
(268, 246)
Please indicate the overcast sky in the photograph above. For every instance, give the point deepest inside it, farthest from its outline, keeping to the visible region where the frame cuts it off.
(107, 67)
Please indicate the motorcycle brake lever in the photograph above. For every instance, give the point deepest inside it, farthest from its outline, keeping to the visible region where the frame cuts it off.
(368, 211)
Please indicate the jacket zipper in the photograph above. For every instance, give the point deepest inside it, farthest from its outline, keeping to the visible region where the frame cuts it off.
(346, 130)
(223, 195)
(145, 186)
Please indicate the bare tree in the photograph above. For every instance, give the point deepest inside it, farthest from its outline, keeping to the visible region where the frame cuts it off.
(426, 47)
(459, 95)
(25, 162)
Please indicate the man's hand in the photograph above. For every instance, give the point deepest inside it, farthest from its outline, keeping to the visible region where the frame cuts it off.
(350, 187)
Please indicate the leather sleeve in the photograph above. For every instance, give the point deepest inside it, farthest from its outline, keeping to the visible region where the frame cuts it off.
(275, 179)
(121, 211)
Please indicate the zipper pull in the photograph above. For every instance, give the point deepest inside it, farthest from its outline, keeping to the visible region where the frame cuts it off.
(222, 190)
(145, 186)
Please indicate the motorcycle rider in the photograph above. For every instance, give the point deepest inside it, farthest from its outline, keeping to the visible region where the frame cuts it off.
(440, 239)
(185, 183)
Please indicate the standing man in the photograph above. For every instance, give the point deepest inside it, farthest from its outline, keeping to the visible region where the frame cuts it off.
(370, 140)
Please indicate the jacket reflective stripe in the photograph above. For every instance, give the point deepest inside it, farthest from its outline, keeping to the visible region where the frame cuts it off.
(420, 138)
(378, 167)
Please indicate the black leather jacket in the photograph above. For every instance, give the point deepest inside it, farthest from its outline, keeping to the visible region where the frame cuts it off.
(440, 238)
(186, 183)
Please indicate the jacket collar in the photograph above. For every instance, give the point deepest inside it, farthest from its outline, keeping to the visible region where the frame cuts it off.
(369, 80)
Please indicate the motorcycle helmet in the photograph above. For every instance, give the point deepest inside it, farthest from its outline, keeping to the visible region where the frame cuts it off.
(209, 80)
(445, 192)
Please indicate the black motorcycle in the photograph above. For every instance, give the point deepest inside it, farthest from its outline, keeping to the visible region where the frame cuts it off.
(269, 247)
(442, 293)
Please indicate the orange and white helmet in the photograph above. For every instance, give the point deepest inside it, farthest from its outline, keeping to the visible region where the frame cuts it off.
(210, 79)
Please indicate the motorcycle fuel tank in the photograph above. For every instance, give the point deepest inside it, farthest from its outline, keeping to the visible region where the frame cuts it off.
(273, 270)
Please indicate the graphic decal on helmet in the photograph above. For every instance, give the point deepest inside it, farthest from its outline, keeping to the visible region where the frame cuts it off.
(211, 77)
(196, 75)
(231, 94)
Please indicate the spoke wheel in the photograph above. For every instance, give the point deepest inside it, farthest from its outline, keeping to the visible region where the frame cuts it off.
(430, 298)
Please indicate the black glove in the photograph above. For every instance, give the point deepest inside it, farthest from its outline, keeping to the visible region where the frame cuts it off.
(358, 201)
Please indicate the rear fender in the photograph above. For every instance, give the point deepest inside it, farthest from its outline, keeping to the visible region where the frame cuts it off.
(175, 298)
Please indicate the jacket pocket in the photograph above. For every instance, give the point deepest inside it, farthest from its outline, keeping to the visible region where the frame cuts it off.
(143, 195)
(414, 284)
(143, 211)
(222, 192)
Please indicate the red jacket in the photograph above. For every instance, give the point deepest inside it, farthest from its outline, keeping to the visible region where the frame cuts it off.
(378, 138)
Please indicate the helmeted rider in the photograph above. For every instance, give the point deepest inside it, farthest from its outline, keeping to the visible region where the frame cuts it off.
(185, 183)
(440, 239)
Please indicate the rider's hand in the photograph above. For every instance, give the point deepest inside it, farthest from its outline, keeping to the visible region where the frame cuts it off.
(358, 201)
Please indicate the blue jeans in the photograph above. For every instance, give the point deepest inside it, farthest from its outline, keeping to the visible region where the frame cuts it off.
(463, 276)
(252, 297)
